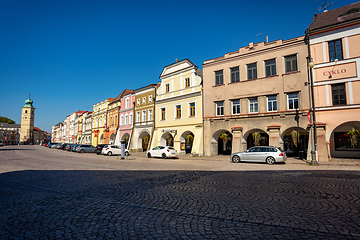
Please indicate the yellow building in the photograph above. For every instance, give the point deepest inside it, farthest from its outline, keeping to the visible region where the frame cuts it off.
(178, 109)
(99, 121)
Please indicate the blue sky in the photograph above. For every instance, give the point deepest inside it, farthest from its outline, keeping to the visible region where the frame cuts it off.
(71, 54)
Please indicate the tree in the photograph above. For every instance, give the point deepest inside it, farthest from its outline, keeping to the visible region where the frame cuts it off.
(6, 120)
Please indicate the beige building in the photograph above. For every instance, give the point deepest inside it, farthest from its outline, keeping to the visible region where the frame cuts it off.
(144, 118)
(178, 109)
(257, 95)
(27, 122)
(335, 50)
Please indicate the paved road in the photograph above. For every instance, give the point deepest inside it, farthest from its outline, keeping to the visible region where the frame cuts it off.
(52, 194)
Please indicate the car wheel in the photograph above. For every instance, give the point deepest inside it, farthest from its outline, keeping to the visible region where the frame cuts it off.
(127, 153)
(236, 159)
(109, 153)
(163, 155)
(82, 151)
(149, 155)
(270, 160)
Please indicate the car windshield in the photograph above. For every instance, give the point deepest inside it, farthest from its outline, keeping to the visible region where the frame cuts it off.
(171, 148)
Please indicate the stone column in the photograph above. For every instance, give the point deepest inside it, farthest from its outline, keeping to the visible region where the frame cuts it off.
(274, 135)
(237, 133)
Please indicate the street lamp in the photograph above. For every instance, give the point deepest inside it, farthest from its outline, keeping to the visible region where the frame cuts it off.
(311, 65)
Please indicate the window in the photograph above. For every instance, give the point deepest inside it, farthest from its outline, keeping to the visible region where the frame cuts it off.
(167, 87)
(270, 67)
(253, 105)
(121, 120)
(293, 101)
(138, 101)
(150, 115)
(192, 109)
(272, 103)
(338, 94)
(219, 108)
(143, 116)
(178, 111)
(291, 63)
(150, 98)
(138, 116)
(252, 70)
(126, 119)
(131, 118)
(219, 79)
(163, 114)
(127, 103)
(335, 50)
(144, 100)
(235, 77)
(235, 106)
(187, 82)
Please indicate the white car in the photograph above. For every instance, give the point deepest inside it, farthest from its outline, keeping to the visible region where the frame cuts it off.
(113, 150)
(162, 151)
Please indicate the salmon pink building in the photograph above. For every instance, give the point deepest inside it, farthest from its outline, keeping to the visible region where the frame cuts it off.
(335, 51)
(126, 117)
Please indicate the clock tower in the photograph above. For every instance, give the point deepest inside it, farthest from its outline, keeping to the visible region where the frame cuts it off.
(27, 122)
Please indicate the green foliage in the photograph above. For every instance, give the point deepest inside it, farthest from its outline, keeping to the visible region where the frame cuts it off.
(6, 120)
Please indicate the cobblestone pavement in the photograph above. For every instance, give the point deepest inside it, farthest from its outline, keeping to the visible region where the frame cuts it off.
(51, 194)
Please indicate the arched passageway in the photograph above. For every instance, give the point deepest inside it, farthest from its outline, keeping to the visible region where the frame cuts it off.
(167, 139)
(345, 140)
(143, 141)
(125, 137)
(186, 141)
(296, 141)
(221, 142)
(256, 137)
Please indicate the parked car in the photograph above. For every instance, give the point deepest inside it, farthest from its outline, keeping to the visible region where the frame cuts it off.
(69, 146)
(113, 150)
(162, 151)
(62, 146)
(82, 148)
(50, 145)
(270, 155)
(58, 145)
(99, 148)
(1, 145)
(73, 147)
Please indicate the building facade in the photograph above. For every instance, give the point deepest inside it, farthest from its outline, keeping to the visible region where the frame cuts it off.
(257, 95)
(87, 128)
(178, 109)
(9, 133)
(99, 121)
(144, 118)
(126, 118)
(334, 48)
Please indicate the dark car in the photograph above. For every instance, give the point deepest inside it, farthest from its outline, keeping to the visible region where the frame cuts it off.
(62, 146)
(69, 146)
(99, 148)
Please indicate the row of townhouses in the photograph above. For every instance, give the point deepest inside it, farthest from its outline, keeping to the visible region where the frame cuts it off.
(261, 94)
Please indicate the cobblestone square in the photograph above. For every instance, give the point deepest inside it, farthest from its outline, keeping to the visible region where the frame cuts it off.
(52, 194)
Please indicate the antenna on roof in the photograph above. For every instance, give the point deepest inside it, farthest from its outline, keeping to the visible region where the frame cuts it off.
(261, 33)
(324, 6)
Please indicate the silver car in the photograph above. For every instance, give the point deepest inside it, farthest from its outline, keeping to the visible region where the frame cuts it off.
(82, 148)
(266, 154)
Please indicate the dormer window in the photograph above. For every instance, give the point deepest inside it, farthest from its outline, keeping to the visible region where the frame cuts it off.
(351, 11)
